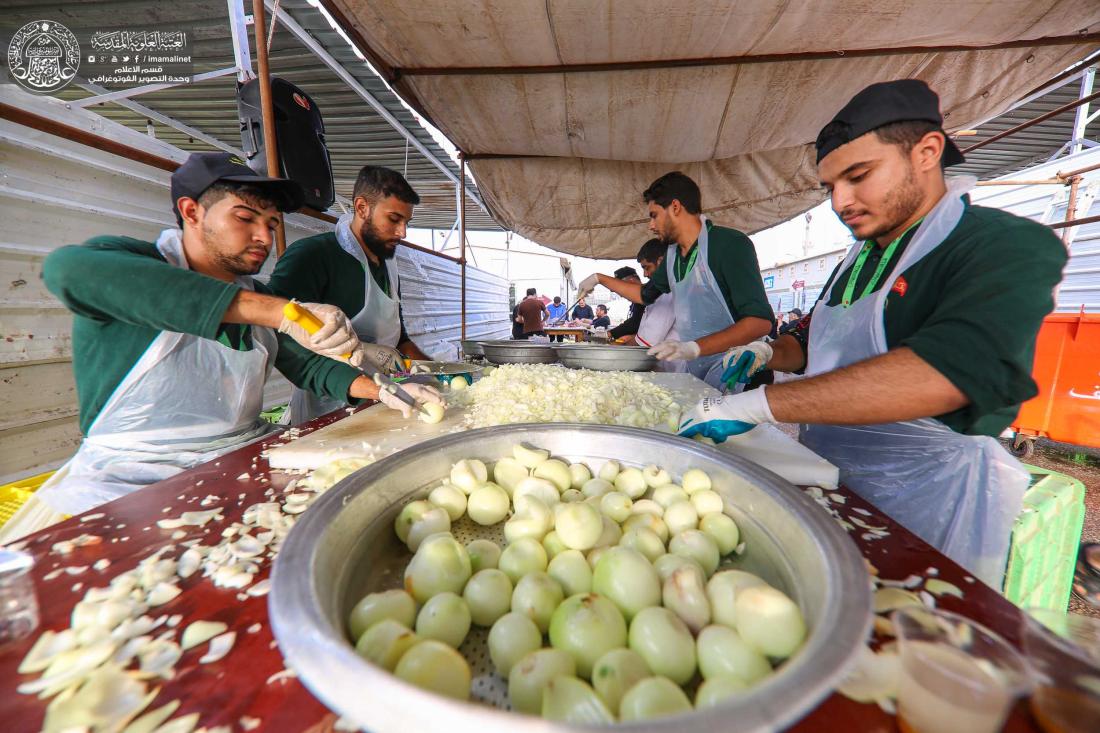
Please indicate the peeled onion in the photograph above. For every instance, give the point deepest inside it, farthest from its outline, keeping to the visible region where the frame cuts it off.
(578, 475)
(571, 496)
(433, 521)
(631, 482)
(626, 578)
(645, 541)
(449, 498)
(431, 412)
(556, 472)
(488, 595)
(699, 546)
(609, 471)
(373, 607)
(408, 515)
(649, 522)
(587, 626)
(611, 532)
(446, 618)
(655, 476)
(508, 472)
(530, 675)
(434, 666)
(483, 554)
(684, 594)
(572, 571)
(653, 697)
(647, 506)
(385, 643)
(667, 563)
(768, 620)
(695, 480)
(537, 595)
(616, 672)
(665, 643)
(511, 638)
(439, 565)
(722, 590)
(669, 494)
(594, 556)
(597, 487)
(488, 505)
(681, 516)
(707, 502)
(530, 457)
(468, 474)
(723, 529)
(579, 526)
(713, 691)
(538, 488)
(553, 545)
(522, 557)
(570, 700)
(723, 653)
(532, 519)
(616, 505)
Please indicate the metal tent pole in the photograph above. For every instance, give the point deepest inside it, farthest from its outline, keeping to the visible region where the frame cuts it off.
(267, 109)
(462, 234)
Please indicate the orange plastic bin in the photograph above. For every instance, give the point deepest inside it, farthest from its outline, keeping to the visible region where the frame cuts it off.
(1067, 370)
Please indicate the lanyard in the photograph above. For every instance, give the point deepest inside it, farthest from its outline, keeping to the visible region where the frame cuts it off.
(850, 288)
(681, 269)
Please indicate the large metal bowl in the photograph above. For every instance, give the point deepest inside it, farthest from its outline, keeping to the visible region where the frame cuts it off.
(471, 347)
(345, 547)
(602, 358)
(518, 352)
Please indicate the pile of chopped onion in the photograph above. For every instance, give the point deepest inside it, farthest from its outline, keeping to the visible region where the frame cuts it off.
(524, 393)
(614, 594)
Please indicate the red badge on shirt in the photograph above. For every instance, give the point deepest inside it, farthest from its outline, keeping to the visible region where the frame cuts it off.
(900, 286)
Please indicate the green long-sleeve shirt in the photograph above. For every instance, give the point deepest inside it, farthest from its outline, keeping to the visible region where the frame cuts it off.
(123, 294)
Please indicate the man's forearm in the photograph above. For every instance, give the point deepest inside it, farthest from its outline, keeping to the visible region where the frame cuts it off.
(787, 355)
(411, 350)
(630, 291)
(363, 388)
(892, 387)
(744, 331)
(255, 308)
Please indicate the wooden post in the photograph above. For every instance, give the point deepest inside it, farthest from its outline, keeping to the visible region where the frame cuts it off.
(267, 109)
(462, 234)
(1071, 208)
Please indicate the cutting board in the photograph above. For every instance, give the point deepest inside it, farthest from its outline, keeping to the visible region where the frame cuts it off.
(379, 431)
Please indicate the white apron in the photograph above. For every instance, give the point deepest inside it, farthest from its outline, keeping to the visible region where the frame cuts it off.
(379, 322)
(959, 493)
(659, 324)
(186, 401)
(699, 307)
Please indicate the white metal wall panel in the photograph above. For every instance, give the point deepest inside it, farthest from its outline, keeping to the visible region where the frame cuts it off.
(55, 192)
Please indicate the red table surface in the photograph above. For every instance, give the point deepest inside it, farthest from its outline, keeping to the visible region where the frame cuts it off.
(237, 686)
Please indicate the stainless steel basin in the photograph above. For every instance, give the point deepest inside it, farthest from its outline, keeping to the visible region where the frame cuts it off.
(518, 352)
(603, 358)
(345, 546)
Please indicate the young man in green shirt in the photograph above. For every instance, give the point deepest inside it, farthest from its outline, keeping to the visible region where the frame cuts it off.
(173, 340)
(353, 268)
(712, 273)
(919, 351)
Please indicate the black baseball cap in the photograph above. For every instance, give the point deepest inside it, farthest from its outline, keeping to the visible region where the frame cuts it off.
(202, 170)
(880, 104)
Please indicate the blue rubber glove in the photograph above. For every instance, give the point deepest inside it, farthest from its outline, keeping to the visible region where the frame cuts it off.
(740, 363)
(718, 418)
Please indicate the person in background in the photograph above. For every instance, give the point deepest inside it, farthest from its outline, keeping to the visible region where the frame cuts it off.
(556, 311)
(601, 320)
(582, 312)
(532, 313)
(517, 322)
(794, 317)
(919, 351)
(625, 332)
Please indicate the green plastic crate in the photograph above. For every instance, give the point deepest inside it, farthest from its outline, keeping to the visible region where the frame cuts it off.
(1045, 540)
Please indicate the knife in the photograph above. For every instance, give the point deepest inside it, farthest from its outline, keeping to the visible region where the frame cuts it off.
(311, 323)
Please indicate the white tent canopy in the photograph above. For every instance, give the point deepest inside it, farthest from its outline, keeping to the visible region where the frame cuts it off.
(568, 109)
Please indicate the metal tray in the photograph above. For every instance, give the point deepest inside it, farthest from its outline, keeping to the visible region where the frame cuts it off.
(444, 368)
(471, 348)
(345, 547)
(518, 352)
(604, 358)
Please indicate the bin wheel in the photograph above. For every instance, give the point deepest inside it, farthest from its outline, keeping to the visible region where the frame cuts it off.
(1023, 447)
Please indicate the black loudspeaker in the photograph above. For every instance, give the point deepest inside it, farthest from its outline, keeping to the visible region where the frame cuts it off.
(299, 132)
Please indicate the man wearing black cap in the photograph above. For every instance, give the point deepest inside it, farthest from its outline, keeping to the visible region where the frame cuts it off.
(173, 340)
(919, 351)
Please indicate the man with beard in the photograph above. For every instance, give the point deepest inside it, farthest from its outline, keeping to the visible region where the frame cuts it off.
(919, 351)
(712, 273)
(353, 269)
(173, 341)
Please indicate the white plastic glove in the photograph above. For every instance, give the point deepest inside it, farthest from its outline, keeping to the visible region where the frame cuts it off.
(741, 362)
(675, 350)
(420, 392)
(587, 285)
(334, 339)
(385, 359)
(718, 418)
